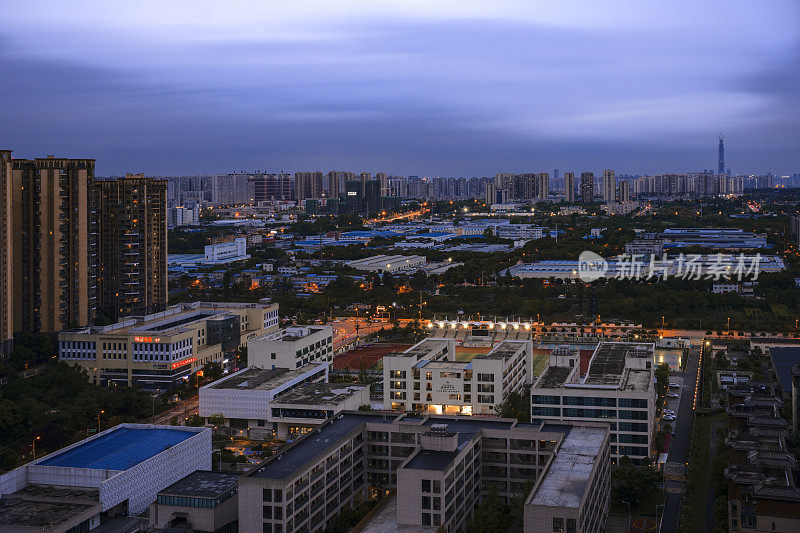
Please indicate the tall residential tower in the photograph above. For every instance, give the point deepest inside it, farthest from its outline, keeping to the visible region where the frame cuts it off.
(133, 246)
(721, 154)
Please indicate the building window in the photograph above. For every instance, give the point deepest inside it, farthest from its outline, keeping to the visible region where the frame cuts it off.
(426, 502)
(426, 519)
(558, 525)
(426, 485)
(571, 525)
(266, 495)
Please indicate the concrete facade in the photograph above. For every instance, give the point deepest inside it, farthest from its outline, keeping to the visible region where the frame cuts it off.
(441, 468)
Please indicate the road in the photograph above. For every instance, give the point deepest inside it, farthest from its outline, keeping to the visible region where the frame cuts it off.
(679, 449)
(180, 411)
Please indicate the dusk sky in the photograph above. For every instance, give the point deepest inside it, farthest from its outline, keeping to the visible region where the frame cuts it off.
(451, 88)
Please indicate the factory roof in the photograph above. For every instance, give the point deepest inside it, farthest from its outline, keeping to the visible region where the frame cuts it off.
(119, 449)
(203, 484)
(566, 480)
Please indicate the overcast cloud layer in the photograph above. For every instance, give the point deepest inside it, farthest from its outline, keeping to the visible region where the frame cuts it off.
(459, 88)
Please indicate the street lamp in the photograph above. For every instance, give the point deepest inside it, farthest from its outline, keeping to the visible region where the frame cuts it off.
(34, 447)
(98, 420)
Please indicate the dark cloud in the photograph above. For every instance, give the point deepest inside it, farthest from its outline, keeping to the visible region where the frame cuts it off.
(453, 97)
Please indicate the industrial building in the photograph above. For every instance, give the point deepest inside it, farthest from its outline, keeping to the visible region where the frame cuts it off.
(427, 377)
(617, 388)
(115, 473)
(156, 351)
(389, 263)
(279, 402)
(441, 468)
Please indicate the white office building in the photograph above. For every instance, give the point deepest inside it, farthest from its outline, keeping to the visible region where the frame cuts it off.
(262, 403)
(292, 347)
(427, 377)
(618, 388)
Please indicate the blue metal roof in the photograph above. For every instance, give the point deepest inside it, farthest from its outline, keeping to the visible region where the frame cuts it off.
(120, 449)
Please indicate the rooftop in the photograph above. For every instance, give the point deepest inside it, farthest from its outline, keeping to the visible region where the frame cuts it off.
(203, 484)
(119, 449)
(266, 379)
(608, 361)
(553, 377)
(319, 393)
(424, 347)
(567, 479)
(431, 460)
(317, 442)
(26, 508)
(505, 350)
(783, 358)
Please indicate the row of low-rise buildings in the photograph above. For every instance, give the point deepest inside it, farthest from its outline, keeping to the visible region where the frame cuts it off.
(430, 473)
(74, 248)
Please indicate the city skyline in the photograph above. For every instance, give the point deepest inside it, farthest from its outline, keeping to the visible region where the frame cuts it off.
(404, 87)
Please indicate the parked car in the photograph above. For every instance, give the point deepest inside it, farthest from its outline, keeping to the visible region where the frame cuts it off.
(668, 418)
(673, 395)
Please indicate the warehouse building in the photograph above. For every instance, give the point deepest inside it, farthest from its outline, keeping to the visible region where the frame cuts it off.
(618, 388)
(427, 377)
(389, 263)
(157, 351)
(115, 473)
(441, 468)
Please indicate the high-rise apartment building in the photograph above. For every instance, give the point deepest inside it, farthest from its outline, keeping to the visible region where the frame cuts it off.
(623, 192)
(609, 186)
(587, 187)
(721, 156)
(308, 185)
(6, 280)
(569, 187)
(336, 182)
(268, 187)
(543, 186)
(54, 244)
(132, 245)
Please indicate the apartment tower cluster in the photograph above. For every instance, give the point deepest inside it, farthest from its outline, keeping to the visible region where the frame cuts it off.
(73, 248)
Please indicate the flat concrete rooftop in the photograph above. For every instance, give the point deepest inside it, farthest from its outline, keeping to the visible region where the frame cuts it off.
(203, 484)
(608, 361)
(424, 347)
(505, 350)
(431, 460)
(319, 394)
(553, 377)
(43, 506)
(567, 479)
(254, 378)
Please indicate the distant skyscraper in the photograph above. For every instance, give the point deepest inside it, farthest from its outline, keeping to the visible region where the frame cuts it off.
(308, 185)
(587, 187)
(721, 153)
(609, 186)
(273, 187)
(132, 245)
(569, 187)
